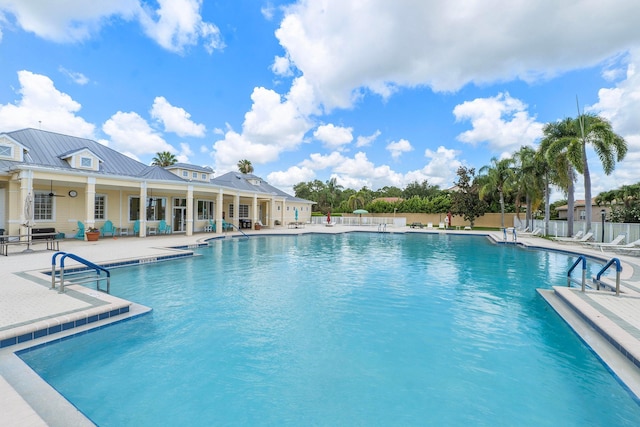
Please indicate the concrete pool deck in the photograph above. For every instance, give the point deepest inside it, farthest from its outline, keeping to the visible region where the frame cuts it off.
(610, 325)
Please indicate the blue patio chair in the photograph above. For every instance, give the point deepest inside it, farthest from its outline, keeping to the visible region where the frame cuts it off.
(108, 228)
(163, 227)
(80, 234)
(226, 226)
(136, 227)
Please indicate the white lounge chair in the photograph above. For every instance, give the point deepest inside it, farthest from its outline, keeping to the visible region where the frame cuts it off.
(583, 239)
(575, 238)
(615, 242)
(441, 225)
(429, 225)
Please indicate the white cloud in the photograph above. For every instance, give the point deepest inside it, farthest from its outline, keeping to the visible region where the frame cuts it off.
(75, 76)
(501, 121)
(361, 169)
(274, 124)
(446, 44)
(285, 180)
(175, 119)
(396, 148)
(68, 21)
(42, 106)
(365, 141)
(131, 133)
(175, 25)
(317, 161)
(333, 137)
(179, 25)
(281, 66)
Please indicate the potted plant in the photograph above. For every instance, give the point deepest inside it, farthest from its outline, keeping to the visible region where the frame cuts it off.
(92, 234)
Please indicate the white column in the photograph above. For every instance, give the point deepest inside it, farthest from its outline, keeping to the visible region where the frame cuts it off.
(236, 210)
(254, 209)
(219, 212)
(143, 209)
(26, 188)
(90, 203)
(189, 214)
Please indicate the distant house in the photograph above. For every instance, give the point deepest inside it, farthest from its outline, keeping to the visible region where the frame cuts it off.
(388, 199)
(580, 211)
(75, 179)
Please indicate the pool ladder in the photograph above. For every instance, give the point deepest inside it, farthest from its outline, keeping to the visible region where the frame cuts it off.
(382, 228)
(87, 277)
(596, 280)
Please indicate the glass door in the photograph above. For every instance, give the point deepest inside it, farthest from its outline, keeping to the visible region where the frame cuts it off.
(179, 214)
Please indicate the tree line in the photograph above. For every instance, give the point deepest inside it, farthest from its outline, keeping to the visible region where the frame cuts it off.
(520, 182)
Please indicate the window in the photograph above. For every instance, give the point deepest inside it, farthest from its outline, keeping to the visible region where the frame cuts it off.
(205, 209)
(6, 151)
(582, 214)
(99, 209)
(243, 211)
(194, 175)
(204, 176)
(134, 208)
(185, 174)
(231, 211)
(86, 162)
(155, 207)
(42, 207)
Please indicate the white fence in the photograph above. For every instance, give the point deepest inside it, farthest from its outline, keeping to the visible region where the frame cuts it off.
(611, 229)
(361, 221)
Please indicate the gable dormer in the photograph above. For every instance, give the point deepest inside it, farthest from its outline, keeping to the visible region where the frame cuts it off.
(11, 149)
(191, 172)
(83, 159)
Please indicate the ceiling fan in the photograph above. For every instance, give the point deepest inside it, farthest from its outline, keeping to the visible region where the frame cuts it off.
(51, 194)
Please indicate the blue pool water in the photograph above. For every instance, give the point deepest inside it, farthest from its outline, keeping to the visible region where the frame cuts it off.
(353, 329)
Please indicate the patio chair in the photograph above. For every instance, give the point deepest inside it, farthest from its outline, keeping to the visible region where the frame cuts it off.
(108, 228)
(615, 242)
(211, 226)
(226, 226)
(136, 228)
(441, 226)
(163, 227)
(80, 234)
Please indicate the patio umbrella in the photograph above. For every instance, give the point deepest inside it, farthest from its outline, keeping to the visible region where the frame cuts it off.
(28, 218)
(360, 212)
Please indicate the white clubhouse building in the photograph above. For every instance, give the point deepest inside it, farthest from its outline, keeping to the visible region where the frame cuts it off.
(74, 180)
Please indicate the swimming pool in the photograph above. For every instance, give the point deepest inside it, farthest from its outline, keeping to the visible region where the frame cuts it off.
(351, 329)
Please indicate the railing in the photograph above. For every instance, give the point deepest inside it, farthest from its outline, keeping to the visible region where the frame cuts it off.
(612, 261)
(570, 280)
(237, 228)
(97, 278)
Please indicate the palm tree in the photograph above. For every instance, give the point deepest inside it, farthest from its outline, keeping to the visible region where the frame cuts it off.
(245, 166)
(608, 145)
(529, 176)
(498, 177)
(558, 146)
(164, 159)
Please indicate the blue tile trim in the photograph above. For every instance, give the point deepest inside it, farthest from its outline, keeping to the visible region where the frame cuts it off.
(64, 327)
(131, 262)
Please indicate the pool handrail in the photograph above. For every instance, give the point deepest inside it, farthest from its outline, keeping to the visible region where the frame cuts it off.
(97, 268)
(612, 261)
(582, 259)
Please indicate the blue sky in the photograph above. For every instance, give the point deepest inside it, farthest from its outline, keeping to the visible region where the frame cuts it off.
(370, 92)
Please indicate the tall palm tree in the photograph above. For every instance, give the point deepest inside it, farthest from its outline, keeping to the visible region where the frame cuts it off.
(245, 166)
(529, 176)
(608, 145)
(164, 159)
(498, 176)
(556, 145)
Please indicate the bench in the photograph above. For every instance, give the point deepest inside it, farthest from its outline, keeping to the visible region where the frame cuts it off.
(416, 225)
(36, 235)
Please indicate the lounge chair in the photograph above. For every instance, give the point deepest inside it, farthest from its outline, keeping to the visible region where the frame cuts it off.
(583, 239)
(536, 231)
(615, 242)
(441, 225)
(108, 228)
(429, 225)
(80, 234)
(575, 238)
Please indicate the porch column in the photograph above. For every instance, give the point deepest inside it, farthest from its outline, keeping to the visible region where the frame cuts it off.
(272, 208)
(254, 209)
(189, 213)
(236, 210)
(142, 214)
(90, 203)
(219, 207)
